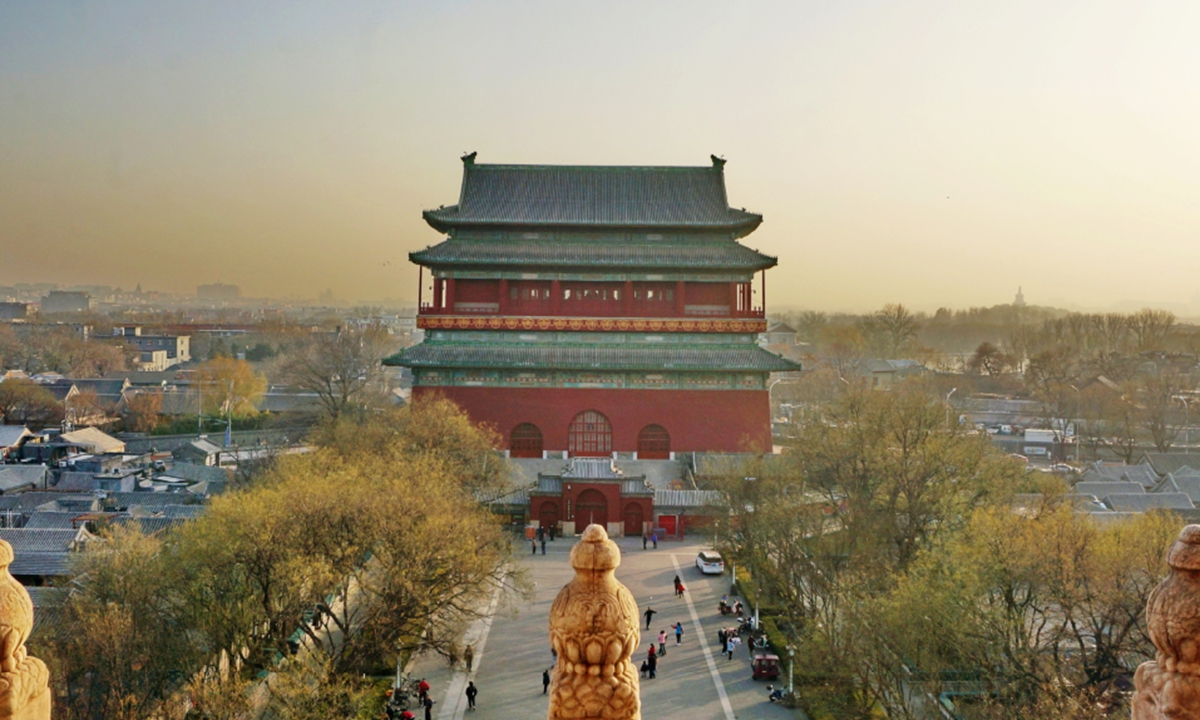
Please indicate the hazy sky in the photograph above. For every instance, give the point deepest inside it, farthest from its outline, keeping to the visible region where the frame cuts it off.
(931, 153)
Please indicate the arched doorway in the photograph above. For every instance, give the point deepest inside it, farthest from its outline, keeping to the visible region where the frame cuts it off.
(634, 519)
(654, 443)
(548, 514)
(591, 507)
(590, 435)
(525, 441)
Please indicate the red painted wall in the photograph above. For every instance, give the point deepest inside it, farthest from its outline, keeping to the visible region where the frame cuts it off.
(480, 291)
(697, 420)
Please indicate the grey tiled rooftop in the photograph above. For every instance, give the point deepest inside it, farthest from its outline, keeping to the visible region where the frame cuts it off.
(604, 196)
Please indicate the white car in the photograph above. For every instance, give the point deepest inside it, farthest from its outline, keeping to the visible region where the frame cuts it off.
(710, 562)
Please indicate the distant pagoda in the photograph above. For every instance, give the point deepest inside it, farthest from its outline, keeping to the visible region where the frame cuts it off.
(597, 310)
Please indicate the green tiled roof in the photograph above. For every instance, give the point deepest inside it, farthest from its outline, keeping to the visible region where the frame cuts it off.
(593, 196)
(722, 255)
(590, 357)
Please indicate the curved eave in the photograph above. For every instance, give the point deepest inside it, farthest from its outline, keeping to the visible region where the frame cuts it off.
(452, 253)
(741, 223)
(768, 263)
(605, 359)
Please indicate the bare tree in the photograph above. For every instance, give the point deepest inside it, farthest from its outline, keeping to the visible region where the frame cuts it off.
(1161, 416)
(342, 368)
(1151, 327)
(898, 326)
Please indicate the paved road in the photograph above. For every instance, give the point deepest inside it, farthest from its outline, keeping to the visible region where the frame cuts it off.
(693, 682)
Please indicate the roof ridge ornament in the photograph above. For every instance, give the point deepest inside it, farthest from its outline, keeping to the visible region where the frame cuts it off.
(718, 162)
(469, 158)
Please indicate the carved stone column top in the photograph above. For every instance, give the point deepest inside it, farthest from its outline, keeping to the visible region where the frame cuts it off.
(594, 631)
(24, 691)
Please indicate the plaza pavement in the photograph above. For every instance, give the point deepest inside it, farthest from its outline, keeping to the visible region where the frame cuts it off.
(694, 681)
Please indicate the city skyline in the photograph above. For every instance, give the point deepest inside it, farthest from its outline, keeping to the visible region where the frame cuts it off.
(930, 154)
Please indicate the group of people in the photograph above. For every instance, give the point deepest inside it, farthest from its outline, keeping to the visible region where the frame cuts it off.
(425, 702)
(539, 538)
(651, 538)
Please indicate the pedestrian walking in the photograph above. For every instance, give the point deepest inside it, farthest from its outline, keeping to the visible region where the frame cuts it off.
(729, 647)
(644, 540)
(678, 634)
(472, 691)
(533, 545)
(662, 642)
(645, 668)
(546, 681)
(468, 657)
(422, 690)
(552, 531)
(428, 705)
(652, 662)
(650, 613)
(541, 532)
(543, 545)
(654, 539)
(721, 635)
(678, 587)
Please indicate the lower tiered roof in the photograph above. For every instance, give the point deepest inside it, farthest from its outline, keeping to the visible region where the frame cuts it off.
(591, 357)
(527, 253)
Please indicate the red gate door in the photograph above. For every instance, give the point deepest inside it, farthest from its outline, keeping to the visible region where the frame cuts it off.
(548, 514)
(591, 507)
(667, 523)
(634, 520)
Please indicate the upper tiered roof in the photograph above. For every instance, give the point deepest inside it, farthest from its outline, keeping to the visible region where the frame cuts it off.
(565, 196)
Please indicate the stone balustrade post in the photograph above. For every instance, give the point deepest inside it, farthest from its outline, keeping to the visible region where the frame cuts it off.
(594, 631)
(24, 688)
(1168, 687)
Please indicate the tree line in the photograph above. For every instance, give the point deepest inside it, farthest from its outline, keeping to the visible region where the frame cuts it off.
(902, 558)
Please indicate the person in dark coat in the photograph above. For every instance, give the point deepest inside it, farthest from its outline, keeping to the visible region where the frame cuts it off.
(533, 545)
(543, 545)
(644, 540)
(428, 705)
(545, 681)
(652, 662)
(472, 691)
(650, 613)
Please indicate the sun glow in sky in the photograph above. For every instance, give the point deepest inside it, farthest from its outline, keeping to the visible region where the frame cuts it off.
(931, 153)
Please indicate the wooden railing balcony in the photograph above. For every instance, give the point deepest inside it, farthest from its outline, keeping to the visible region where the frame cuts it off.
(577, 310)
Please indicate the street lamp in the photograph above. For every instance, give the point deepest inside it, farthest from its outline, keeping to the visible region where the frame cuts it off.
(952, 391)
(1187, 432)
(791, 671)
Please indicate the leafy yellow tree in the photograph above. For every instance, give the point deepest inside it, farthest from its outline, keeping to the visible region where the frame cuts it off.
(24, 402)
(1043, 605)
(143, 409)
(230, 387)
(345, 559)
(431, 427)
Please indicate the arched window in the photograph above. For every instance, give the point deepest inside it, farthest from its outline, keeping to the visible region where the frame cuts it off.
(590, 434)
(654, 443)
(525, 441)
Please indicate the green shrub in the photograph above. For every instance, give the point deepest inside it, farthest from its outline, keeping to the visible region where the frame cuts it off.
(775, 636)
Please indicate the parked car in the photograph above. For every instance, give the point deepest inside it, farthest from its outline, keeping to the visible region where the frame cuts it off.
(710, 562)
